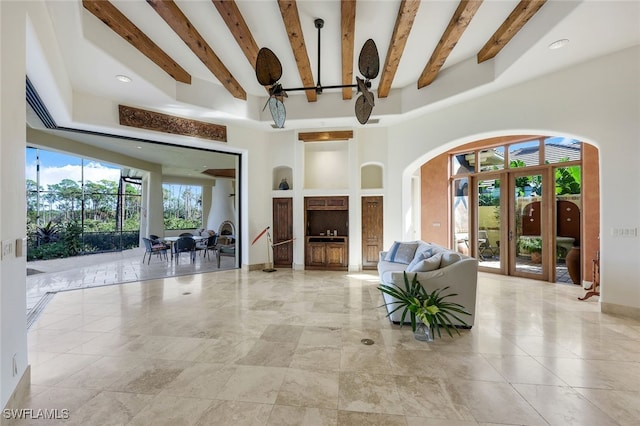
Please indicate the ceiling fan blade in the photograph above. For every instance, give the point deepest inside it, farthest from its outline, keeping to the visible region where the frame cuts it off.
(363, 110)
(368, 96)
(278, 112)
(369, 60)
(268, 67)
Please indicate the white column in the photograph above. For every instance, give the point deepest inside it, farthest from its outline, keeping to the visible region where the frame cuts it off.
(13, 299)
(207, 196)
(152, 205)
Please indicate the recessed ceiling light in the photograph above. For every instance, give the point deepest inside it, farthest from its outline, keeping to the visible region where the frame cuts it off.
(123, 78)
(139, 147)
(559, 44)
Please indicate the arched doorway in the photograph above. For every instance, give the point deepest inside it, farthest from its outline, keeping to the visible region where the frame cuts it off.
(514, 198)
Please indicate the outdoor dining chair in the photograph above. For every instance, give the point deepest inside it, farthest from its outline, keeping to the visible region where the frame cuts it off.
(156, 240)
(185, 245)
(150, 248)
(210, 244)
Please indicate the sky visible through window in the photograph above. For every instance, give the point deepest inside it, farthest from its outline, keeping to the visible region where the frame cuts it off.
(54, 167)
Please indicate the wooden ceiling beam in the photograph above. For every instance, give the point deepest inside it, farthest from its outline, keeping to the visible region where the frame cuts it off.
(231, 15)
(126, 29)
(291, 19)
(404, 22)
(348, 29)
(174, 17)
(509, 28)
(457, 25)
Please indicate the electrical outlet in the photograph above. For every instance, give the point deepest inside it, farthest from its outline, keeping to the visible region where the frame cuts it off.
(624, 232)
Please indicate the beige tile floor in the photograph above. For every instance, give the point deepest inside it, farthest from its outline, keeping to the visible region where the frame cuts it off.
(72, 273)
(283, 348)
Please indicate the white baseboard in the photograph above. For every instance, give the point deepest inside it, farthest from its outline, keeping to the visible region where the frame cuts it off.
(621, 310)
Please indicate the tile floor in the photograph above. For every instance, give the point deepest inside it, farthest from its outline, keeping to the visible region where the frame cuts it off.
(50, 276)
(283, 348)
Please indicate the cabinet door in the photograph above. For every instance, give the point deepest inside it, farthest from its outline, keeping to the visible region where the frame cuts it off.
(282, 231)
(327, 203)
(371, 231)
(336, 254)
(316, 254)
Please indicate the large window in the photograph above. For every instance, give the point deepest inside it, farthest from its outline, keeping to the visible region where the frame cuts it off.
(182, 206)
(77, 206)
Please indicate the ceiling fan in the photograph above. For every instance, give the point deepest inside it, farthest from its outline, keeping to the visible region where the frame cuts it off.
(269, 71)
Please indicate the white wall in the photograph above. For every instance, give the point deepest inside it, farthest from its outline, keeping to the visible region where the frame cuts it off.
(13, 328)
(597, 102)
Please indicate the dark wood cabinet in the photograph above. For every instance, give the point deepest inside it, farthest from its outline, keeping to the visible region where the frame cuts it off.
(336, 255)
(326, 253)
(371, 231)
(316, 254)
(282, 231)
(326, 203)
(327, 231)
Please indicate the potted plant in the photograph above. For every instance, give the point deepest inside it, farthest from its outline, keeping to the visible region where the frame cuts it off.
(532, 246)
(424, 308)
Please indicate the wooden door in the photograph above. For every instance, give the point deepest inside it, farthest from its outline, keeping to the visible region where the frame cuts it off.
(282, 231)
(371, 231)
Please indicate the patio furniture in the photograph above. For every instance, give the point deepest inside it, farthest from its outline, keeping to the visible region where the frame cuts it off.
(484, 245)
(186, 234)
(156, 240)
(209, 245)
(185, 245)
(150, 248)
(229, 251)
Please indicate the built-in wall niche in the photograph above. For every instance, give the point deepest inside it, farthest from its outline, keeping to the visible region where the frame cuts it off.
(281, 175)
(326, 165)
(319, 222)
(371, 176)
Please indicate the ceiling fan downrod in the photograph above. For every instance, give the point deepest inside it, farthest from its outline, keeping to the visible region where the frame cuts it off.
(319, 24)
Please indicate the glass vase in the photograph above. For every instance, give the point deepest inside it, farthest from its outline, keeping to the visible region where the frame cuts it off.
(423, 333)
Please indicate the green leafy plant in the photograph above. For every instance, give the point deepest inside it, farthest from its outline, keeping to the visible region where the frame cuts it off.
(71, 238)
(530, 245)
(430, 308)
(48, 233)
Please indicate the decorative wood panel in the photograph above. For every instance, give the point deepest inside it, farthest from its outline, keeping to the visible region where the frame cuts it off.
(336, 135)
(150, 120)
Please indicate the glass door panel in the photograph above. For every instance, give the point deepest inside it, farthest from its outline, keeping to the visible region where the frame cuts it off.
(527, 227)
(489, 225)
(568, 202)
(461, 215)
